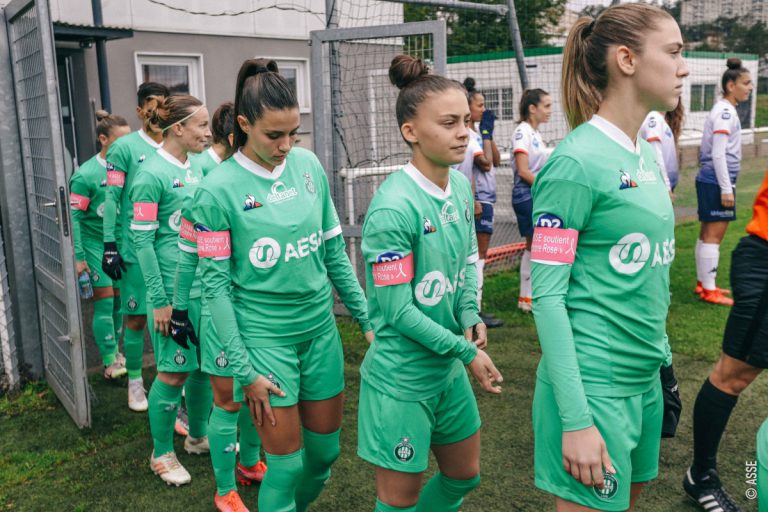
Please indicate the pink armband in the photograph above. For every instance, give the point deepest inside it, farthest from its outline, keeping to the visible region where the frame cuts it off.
(145, 212)
(390, 273)
(214, 244)
(554, 246)
(79, 202)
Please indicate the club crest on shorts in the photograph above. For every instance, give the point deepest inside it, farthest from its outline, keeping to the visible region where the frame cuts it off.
(179, 358)
(133, 304)
(95, 277)
(271, 378)
(610, 487)
(221, 360)
(404, 450)
(309, 183)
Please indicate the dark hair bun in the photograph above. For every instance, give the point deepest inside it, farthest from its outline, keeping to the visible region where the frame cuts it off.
(734, 63)
(469, 84)
(404, 69)
(101, 115)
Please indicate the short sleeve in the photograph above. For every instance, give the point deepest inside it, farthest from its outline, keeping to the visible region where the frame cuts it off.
(724, 122)
(521, 141)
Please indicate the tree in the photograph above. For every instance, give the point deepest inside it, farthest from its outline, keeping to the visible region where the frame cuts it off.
(471, 32)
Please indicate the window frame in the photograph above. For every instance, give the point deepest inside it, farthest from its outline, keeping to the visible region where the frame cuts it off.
(301, 65)
(701, 95)
(193, 61)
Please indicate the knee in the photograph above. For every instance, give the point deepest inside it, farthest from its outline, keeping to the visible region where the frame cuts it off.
(135, 322)
(321, 450)
(172, 378)
(732, 384)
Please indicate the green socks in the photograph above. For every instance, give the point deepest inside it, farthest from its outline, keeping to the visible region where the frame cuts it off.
(279, 486)
(222, 437)
(320, 452)
(164, 402)
(104, 330)
(117, 317)
(250, 442)
(133, 344)
(383, 507)
(198, 396)
(445, 494)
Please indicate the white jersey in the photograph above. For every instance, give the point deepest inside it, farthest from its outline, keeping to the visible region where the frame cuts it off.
(527, 140)
(474, 149)
(722, 119)
(656, 131)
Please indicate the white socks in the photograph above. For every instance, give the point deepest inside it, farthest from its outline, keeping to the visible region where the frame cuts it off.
(525, 275)
(707, 259)
(480, 264)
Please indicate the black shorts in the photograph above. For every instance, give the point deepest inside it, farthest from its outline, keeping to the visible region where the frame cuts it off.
(710, 207)
(484, 223)
(524, 213)
(746, 333)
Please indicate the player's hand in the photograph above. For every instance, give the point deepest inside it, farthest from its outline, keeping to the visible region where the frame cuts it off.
(671, 196)
(82, 266)
(485, 373)
(487, 123)
(479, 330)
(585, 456)
(112, 263)
(182, 329)
(673, 406)
(478, 208)
(163, 319)
(727, 200)
(257, 397)
(369, 336)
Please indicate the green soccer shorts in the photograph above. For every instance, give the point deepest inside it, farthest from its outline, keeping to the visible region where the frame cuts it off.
(396, 434)
(631, 429)
(213, 355)
(171, 357)
(133, 291)
(93, 253)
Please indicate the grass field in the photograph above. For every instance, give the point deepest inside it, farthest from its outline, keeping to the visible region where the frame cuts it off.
(48, 464)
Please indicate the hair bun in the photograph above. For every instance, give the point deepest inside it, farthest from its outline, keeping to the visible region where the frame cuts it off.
(404, 69)
(734, 63)
(469, 84)
(101, 114)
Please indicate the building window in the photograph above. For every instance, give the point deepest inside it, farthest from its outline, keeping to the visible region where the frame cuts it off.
(181, 73)
(702, 97)
(501, 101)
(295, 71)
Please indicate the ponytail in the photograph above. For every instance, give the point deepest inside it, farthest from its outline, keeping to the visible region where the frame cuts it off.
(174, 110)
(734, 71)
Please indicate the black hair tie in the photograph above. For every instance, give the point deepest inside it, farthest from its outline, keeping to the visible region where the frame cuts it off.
(588, 31)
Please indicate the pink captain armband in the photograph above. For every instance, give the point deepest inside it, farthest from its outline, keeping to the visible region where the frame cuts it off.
(79, 202)
(554, 246)
(187, 231)
(389, 273)
(146, 212)
(115, 178)
(214, 244)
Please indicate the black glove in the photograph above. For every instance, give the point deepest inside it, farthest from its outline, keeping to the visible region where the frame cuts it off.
(112, 263)
(673, 406)
(181, 328)
(486, 125)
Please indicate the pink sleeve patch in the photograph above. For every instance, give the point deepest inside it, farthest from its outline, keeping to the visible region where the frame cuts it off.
(554, 245)
(145, 212)
(115, 178)
(187, 231)
(79, 202)
(390, 273)
(214, 244)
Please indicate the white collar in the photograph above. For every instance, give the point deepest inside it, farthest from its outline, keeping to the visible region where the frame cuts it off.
(172, 159)
(214, 155)
(614, 133)
(101, 161)
(257, 169)
(426, 185)
(148, 139)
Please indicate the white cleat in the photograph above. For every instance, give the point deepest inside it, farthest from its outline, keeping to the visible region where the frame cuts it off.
(137, 395)
(169, 469)
(197, 446)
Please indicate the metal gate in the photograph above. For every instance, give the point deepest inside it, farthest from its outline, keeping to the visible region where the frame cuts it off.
(356, 135)
(30, 38)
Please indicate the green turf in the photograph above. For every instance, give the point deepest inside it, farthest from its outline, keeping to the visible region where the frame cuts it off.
(47, 464)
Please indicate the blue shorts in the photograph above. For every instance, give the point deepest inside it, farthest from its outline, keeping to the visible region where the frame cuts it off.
(710, 207)
(484, 223)
(524, 213)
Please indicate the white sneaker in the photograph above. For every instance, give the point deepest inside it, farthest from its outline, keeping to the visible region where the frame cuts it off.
(115, 370)
(137, 395)
(169, 469)
(197, 446)
(120, 358)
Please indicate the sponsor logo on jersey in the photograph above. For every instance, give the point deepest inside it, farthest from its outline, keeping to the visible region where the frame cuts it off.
(434, 285)
(632, 253)
(179, 358)
(271, 378)
(644, 175)
(549, 220)
(103, 183)
(428, 227)
(142, 158)
(610, 487)
(251, 203)
(309, 183)
(281, 193)
(191, 179)
(449, 215)
(177, 183)
(625, 181)
(174, 221)
(100, 210)
(518, 135)
(652, 123)
(266, 252)
(133, 304)
(388, 256)
(404, 450)
(221, 360)
(726, 115)
(467, 213)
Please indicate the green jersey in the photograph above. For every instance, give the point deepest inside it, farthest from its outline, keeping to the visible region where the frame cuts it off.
(420, 250)
(602, 247)
(124, 159)
(157, 195)
(86, 196)
(208, 160)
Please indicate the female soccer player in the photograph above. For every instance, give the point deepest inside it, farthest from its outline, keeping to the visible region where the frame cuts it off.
(663, 132)
(124, 159)
(86, 196)
(720, 161)
(603, 243)
(530, 155)
(420, 249)
(157, 195)
(222, 126)
(744, 356)
(484, 187)
(270, 248)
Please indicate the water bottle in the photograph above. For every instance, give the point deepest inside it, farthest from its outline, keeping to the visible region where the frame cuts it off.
(86, 290)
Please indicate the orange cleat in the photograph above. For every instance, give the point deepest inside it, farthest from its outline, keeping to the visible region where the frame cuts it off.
(716, 296)
(248, 475)
(700, 289)
(230, 502)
